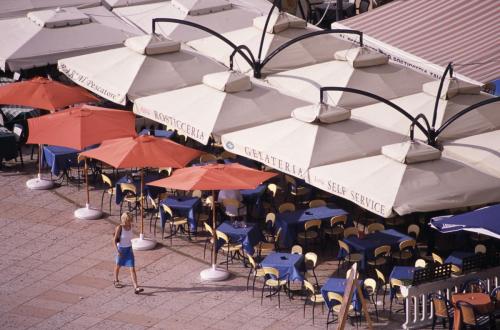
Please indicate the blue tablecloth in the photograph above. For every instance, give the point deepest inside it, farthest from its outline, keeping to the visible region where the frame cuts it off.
(248, 236)
(290, 266)
(337, 285)
(183, 206)
(457, 258)
(291, 222)
(158, 133)
(59, 158)
(367, 245)
(402, 273)
(8, 146)
(150, 191)
(252, 198)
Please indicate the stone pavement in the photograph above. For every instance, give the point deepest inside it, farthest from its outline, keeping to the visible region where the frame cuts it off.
(56, 272)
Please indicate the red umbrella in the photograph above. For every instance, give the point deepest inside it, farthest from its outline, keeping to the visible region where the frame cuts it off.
(78, 128)
(42, 93)
(142, 151)
(214, 177)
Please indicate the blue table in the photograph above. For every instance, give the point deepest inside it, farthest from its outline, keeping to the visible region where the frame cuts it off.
(8, 145)
(290, 266)
(150, 191)
(367, 245)
(253, 198)
(185, 206)
(291, 222)
(59, 158)
(457, 258)
(404, 274)
(337, 285)
(158, 133)
(248, 236)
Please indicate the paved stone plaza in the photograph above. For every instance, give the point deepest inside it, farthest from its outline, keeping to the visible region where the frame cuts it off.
(56, 272)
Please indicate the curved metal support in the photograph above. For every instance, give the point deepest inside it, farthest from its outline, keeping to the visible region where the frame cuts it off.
(306, 36)
(449, 68)
(412, 126)
(463, 112)
(375, 97)
(241, 47)
(276, 3)
(203, 28)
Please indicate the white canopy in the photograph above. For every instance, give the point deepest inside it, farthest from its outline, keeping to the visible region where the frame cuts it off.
(146, 65)
(385, 186)
(44, 37)
(17, 8)
(453, 99)
(293, 146)
(223, 103)
(387, 80)
(221, 19)
(282, 28)
(480, 151)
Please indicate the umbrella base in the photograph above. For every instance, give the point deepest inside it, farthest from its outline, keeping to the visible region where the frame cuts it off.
(143, 244)
(87, 213)
(214, 274)
(39, 184)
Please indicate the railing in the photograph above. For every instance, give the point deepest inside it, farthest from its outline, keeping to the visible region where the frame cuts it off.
(418, 307)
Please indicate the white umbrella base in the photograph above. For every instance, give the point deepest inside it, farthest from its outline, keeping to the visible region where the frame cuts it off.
(87, 213)
(214, 274)
(143, 244)
(39, 184)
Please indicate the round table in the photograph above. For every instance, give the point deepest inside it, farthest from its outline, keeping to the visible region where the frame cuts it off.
(480, 301)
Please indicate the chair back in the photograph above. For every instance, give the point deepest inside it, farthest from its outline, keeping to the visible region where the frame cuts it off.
(18, 131)
(270, 219)
(128, 188)
(312, 224)
(475, 285)
(286, 207)
(440, 305)
(343, 246)
(383, 250)
(309, 287)
(311, 258)
(296, 249)
(421, 263)
(337, 220)
(252, 262)
(209, 201)
(455, 269)
(168, 170)
(350, 231)
(415, 230)
(153, 203)
(317, 203)
(106, 180)
(467, 313)
(480, 248)
(334, 296)
(374, 227)
(408, 244)
(271, 272)
(208, 228)
(273, 188)
(370, 285)
(222, 236)
(231, 205)
(167, 210)
(380, 276)
(278, 235)
(437, 259)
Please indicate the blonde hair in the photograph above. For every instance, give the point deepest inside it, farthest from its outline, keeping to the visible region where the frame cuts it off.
(126, 218)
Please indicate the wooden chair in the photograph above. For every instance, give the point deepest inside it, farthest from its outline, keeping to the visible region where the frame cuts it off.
(398, 293)
(480, 248)
(349, 257)
(380, 256)
(270, 198)
(311, 261)
(370, 286)
(406, 250)
(166, 170)
(382, 284)
(130, 197)
(255, 270)
(269, 229)
(273, 282)
(312, 297)
(230, 249)
(317, 203)
(296, 249)
(443, 311)
(471, 318)
(437, 259)
(176, 223)
(350, 231)
(421, 263)
(375, 227)
(110, 190)
(336, 300)
(413, 231)
(297, 192)
(209, 241)
(265, 248)
(336, 228)
(286, 207)
(311, 232)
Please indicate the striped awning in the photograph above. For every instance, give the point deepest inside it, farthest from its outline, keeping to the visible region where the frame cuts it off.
(464, 32)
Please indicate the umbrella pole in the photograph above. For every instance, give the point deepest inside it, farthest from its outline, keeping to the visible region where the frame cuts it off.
(214, 247)
(39, 161)
(141, 203)
(38, 183)
(142, 243)
(87, 213)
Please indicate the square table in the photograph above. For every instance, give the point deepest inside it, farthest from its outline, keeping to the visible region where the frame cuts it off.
(8, 145)
(59, 158)
(150, 191)
(367, 245)
(248, 236)
(457, 258)
(337, 285)
(290, 266)
(290, 222)
(185, 206)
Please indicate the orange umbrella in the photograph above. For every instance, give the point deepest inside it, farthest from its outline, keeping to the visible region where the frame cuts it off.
(142, 151)
(78, 128)
(214, 177)
(42, 93)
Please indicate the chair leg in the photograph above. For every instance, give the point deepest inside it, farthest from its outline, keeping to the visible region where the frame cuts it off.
(102, 198)
(314, 305)
(248, 277)
(279, 289)
(110, 199)
(253, 284)
(262, 294)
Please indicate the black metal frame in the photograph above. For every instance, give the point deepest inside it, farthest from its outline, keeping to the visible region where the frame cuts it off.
(257, 64)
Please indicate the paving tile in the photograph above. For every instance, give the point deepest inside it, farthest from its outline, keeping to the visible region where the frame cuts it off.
(88, 281)
(136, 319)
(60, 296)
(34, 311)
